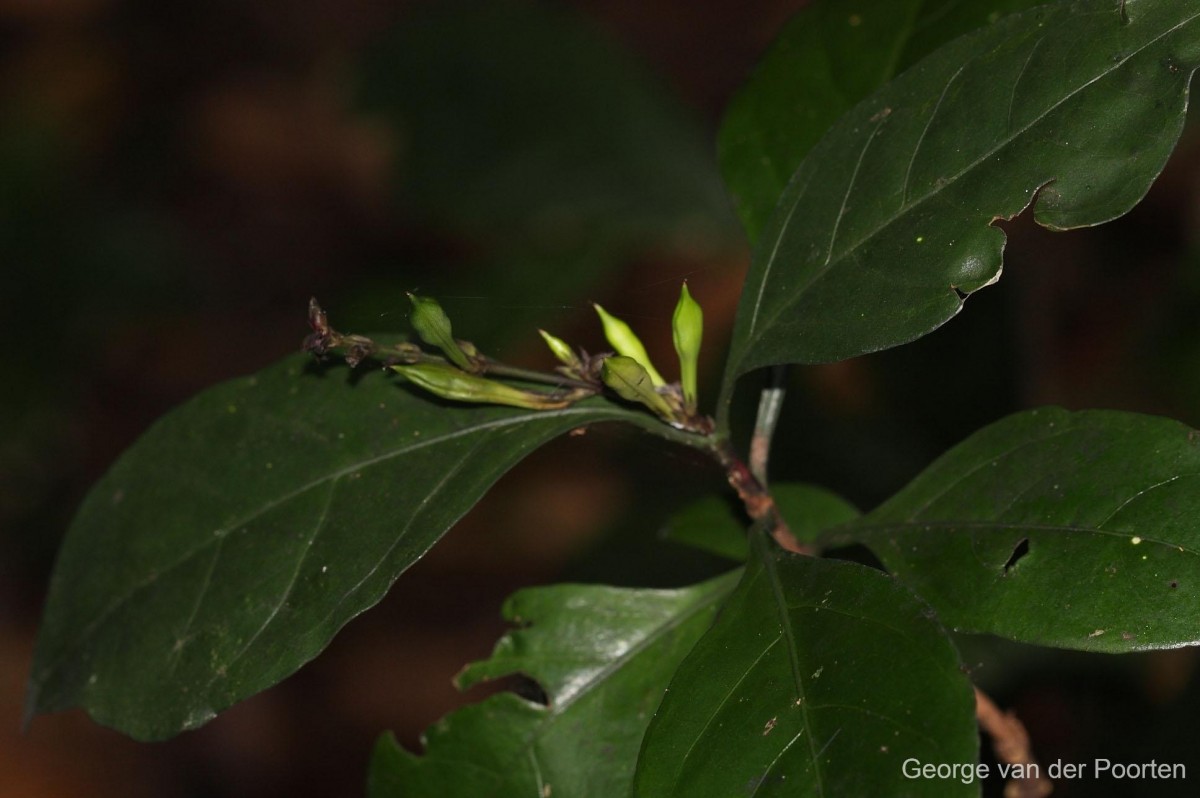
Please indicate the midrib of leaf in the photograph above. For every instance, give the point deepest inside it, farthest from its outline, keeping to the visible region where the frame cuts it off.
(333, 477)
(781, 607)
(752, 335)
(770, 569)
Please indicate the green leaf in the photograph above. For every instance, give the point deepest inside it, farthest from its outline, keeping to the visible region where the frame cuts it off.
(602, 655)
(1079, 530)
(888, 222)
(525, 129)
(819, 677)
(523, 120)
(228, 545)
(828, 57)
(715, 525)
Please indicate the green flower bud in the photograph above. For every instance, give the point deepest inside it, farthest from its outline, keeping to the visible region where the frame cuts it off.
(561, 350)
(688, 328)
(433, 325)
(632, 381)
(622, 339)
(442, 379)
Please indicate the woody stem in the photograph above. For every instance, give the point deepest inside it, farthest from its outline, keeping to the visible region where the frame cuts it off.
(759, 503)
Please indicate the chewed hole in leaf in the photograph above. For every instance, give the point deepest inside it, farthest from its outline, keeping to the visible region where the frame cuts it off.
(529, 689)
(518, 684)
(1019, 551)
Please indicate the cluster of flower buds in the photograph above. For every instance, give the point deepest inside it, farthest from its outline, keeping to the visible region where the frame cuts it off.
(633, 377)
(462, 374)
(461, 378)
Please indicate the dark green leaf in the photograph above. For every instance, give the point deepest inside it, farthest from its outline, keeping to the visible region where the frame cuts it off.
(819, 677)
(889, 218)
(602, 655)
(231, 542)
(831, 55)
(525, 129)
(715, 525)
(520, 119)
(1079, 530)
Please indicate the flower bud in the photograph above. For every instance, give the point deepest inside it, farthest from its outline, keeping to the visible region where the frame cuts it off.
(561, 350)
(632, 382)
(622, 339)
(433, 325)
(442, 379)
(687, 326)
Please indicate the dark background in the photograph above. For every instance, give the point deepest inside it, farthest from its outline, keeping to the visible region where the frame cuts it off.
(177, 179)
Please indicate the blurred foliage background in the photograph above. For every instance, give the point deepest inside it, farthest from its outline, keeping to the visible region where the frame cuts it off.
(177, 179)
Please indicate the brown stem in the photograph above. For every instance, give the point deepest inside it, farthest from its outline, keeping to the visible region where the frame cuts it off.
(750, 485)
(1010, 741)
(760, 506)
(356, 348)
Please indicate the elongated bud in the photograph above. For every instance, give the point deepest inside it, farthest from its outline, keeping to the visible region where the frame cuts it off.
(433, 325)
(444, 380)
(622, 339)
(632, 381)
(687, 325)
(561, 350)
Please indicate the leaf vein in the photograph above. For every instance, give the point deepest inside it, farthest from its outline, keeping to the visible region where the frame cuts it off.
(837, 223)
(912, 516)
(1012, 95)
(941, 185)
(438, 488)
(781, 607)
(924, 132)
(291, 585)
(1142, 493)
(158, 573)
(674, 622)
(717, 710)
